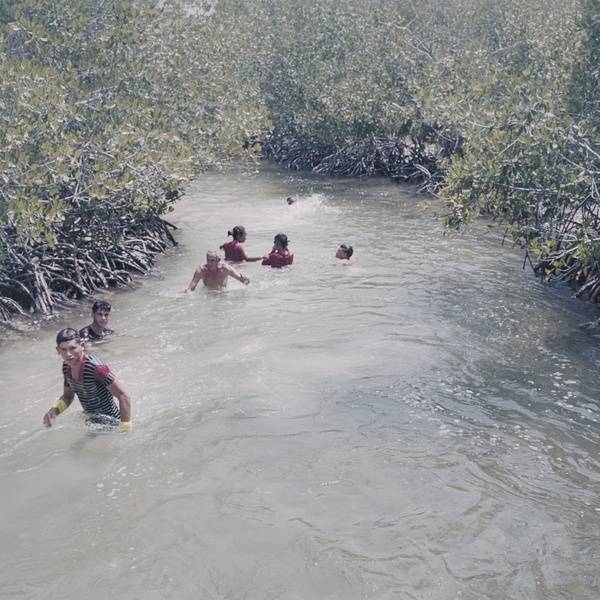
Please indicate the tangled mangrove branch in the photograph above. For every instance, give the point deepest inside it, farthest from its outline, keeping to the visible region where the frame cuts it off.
(403, 159)
(108, 110)
(38, 278)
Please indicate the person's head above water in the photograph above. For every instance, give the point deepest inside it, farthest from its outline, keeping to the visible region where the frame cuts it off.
(100, 317)
(212, 260)
(66, 335)
(238, 233)
(344, 251)
(290, 200)
(101, 305)
(280, 241)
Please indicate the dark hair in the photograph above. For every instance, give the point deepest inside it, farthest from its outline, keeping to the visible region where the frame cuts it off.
(347, 250)
(66, 335)
(237, 232)
(281, 240)
(290, 200)
(101, 305)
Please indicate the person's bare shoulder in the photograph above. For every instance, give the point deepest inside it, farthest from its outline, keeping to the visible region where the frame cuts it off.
(228, 268)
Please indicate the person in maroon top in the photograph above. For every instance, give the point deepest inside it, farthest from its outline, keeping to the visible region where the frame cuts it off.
(234, 251)
(279, 256)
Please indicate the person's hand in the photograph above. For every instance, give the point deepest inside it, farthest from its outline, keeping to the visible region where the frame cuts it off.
(50, 416)
(245, 280)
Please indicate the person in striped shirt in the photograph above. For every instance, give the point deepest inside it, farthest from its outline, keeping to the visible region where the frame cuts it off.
(92, 381)
(98, 329)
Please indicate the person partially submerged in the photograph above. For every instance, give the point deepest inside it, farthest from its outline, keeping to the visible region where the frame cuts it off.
(234, 251)
(98, 329)
(92, 381)
(344, 252)
(214, 274)
(279, 256)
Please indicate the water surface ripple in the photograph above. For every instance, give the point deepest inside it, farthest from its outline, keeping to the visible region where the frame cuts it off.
(422, 424)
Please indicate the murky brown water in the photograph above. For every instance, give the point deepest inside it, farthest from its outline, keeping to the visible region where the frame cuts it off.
(422, 424)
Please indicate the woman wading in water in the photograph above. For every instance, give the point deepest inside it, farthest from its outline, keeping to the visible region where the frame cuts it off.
(234, 251)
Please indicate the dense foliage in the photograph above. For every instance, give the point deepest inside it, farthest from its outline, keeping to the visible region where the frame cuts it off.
(108, 107)
(493, 104)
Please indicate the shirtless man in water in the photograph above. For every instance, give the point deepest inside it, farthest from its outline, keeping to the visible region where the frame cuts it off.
(214, 274)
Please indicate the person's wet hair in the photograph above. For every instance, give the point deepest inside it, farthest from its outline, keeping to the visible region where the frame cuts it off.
(290, 200)
(66, 335)
(237, 232)
(348, 250)
(101, 305)
(281, 240)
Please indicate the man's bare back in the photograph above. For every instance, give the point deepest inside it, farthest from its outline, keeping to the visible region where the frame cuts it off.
(214, 274)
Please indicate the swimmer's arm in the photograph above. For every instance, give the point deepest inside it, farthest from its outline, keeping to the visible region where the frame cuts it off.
(198, 274)
(250, 258)
(67, 397)
(124, 402)
(236, 275)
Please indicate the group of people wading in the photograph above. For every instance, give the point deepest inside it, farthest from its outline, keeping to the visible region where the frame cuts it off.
(213, 273)
(92, 380)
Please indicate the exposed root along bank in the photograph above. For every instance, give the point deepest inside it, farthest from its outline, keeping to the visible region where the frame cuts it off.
(39, 278)
(406, 160)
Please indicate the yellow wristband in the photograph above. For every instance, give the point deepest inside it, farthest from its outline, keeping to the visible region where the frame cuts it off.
(61, 406)
(125, 426)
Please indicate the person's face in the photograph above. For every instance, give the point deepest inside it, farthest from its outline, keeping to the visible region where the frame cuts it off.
(101, 318)
(340, 253)
(212, 262)
(71, 351)
(242, 238)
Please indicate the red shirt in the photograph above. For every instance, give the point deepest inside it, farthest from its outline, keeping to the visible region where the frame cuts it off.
(279, 259)
(233, 251)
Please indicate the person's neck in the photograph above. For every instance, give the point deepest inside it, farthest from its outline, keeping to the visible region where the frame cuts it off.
(76, 366)
(97, 329)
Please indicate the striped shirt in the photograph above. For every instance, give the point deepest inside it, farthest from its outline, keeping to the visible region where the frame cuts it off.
(87, 334)
(91, 387)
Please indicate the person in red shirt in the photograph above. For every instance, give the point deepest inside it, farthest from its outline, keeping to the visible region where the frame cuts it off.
(234, 251)
(279, 256)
